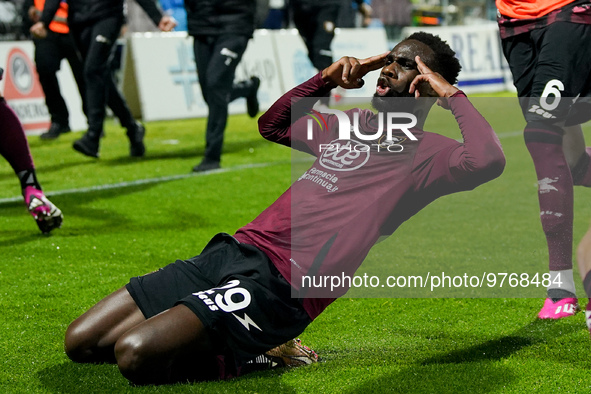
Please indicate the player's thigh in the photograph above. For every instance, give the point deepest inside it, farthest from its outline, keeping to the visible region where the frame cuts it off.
(562, 71)
(104, 323)
(173, 333)
(521, 54)
(564, 59)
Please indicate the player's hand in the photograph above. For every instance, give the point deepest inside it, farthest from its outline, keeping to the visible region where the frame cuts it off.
(167, 23)
(348, 72)
(38, 30)
(431, 84)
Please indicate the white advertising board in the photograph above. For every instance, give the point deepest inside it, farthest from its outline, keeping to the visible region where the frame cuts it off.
(161, 66)
(23, 93)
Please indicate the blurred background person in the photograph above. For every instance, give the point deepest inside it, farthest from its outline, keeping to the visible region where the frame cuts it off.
(316, 21)
(95, 26)
(49, 53)
(355, 13)
(221, 30)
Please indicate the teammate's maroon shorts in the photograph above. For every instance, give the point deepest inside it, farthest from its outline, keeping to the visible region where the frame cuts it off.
(236, 292)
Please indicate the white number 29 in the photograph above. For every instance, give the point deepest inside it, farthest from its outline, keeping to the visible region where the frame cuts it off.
(226, 303)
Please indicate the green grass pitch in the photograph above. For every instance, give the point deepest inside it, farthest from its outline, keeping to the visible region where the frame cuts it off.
(124, 217)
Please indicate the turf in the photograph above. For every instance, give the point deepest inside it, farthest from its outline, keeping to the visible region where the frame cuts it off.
(401, 345)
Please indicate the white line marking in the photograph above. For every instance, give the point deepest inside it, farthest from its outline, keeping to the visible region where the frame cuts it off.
(151, 180)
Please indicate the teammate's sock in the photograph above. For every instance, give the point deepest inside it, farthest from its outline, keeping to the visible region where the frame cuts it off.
(562, 285)
(28, 178)
(582, 171)
(555, 194)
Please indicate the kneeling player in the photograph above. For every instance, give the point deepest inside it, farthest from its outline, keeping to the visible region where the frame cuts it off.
(212, 315)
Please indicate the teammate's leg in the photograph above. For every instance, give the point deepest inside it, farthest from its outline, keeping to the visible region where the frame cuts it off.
(555, 196)
(562, 77)
(14, 147)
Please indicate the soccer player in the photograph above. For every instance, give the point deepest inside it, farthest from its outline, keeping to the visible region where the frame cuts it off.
(242, 295)
(547, 46)
(15, 149)
(95, 26)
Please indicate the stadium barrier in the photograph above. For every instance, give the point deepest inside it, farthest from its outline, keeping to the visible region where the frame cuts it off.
(23, 92)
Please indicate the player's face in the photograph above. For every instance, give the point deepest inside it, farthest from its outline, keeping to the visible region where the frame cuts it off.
(401, 68)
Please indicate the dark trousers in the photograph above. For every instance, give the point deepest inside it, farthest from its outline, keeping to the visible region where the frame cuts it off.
(96, 43)
(216, 58)
(49, 53)
(315, 23)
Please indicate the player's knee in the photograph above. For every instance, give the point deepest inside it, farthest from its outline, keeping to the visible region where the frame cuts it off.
(77, 343)
(543, 140)
(129, 353)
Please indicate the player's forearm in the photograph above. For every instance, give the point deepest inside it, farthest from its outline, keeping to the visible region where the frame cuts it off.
(482, 154)
(49, 10)
(275, 124)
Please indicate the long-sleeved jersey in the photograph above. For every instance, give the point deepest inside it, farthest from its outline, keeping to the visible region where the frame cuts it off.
(328, 220)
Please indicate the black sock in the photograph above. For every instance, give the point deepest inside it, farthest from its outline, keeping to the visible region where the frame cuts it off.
(559, 294)
(28, 178)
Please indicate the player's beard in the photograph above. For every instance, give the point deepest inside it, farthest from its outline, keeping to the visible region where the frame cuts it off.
(391, 103)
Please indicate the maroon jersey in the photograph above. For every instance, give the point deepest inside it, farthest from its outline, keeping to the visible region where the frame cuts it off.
(328, 220)
(575, 11)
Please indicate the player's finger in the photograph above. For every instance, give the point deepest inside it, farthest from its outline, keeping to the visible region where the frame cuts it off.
(421, 66)
(355, 67)
(413, 85)
(374, 62)
(346, 71)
